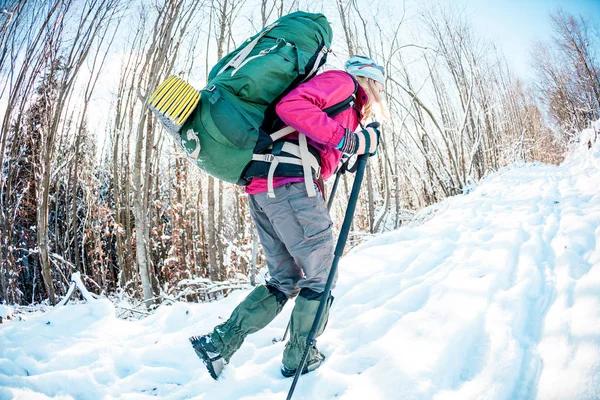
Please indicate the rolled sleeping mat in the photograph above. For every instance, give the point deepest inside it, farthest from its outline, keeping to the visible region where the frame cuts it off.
(173, 102)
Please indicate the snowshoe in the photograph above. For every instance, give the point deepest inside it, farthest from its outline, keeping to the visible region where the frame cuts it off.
(208, 353)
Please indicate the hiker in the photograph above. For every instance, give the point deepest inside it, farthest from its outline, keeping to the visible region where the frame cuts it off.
(295, 228)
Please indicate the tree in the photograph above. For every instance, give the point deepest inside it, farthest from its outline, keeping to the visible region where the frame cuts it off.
(93, 17)
(568, 73)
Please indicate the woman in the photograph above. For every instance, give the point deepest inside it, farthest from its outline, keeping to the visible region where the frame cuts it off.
(295, 228)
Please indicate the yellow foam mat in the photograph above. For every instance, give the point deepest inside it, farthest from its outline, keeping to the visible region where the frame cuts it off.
(173, 101)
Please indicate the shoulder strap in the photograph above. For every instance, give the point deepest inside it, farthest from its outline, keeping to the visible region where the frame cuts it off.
(345, 104)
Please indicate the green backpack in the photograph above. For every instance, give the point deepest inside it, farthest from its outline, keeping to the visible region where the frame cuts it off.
(229, 123)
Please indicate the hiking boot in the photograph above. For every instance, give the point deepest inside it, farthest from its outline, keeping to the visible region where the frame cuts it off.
(310, 365)
(208, 353)
(301, 322)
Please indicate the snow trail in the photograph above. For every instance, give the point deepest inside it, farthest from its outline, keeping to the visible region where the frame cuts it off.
(494, 297)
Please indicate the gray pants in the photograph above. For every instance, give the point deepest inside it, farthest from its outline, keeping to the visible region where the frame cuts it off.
(295, 231)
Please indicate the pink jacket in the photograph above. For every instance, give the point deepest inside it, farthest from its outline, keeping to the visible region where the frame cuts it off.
(302, 110)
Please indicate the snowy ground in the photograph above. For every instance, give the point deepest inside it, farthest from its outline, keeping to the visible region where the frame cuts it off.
(495, 297)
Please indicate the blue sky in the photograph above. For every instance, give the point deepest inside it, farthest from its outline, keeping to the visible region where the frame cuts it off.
(515, 24)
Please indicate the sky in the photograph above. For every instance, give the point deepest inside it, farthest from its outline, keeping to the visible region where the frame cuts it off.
(516, 24)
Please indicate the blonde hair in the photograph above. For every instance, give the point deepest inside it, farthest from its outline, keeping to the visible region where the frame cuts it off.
(375, 107)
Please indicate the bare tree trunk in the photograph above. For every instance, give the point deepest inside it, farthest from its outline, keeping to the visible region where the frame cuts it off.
(159, 61)
(212, 228)
(266, 11)
(346, 26)
(223, 26)
(74, 200)
(253, 265)
(220, 249)
(92, 20)
(212, 240)
(202, 233)
(82, 130)
(43, 245)
(25, 75)
(121, 165)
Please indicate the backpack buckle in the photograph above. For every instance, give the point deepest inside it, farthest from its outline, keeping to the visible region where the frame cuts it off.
(268, 158)
(318, 173)
(211, 88)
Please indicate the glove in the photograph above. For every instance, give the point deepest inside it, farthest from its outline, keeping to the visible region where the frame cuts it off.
(361, 142)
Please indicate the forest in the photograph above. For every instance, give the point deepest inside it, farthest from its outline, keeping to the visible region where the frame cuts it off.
(90, 183)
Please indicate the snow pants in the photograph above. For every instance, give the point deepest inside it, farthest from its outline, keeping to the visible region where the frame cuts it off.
(295, 232)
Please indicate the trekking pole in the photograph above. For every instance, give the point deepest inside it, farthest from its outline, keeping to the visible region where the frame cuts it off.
(334, 189)
(338, 175)
(275, 340)
(339, 250)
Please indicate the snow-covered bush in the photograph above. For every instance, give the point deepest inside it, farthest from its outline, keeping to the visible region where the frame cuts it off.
(588, 137)
(5, 313)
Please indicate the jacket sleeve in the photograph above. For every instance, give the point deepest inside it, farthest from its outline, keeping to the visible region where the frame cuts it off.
(302, 108)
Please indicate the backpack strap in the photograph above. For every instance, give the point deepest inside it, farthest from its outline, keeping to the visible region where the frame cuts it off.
(343, 105)
(317, 64)
(301, 156)
(308, 182)
(239, 58)
(281, 133)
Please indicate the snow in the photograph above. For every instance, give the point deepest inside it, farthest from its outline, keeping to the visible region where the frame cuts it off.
(76, 283)
(589, 136)
(5, 312)
(495, 294)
